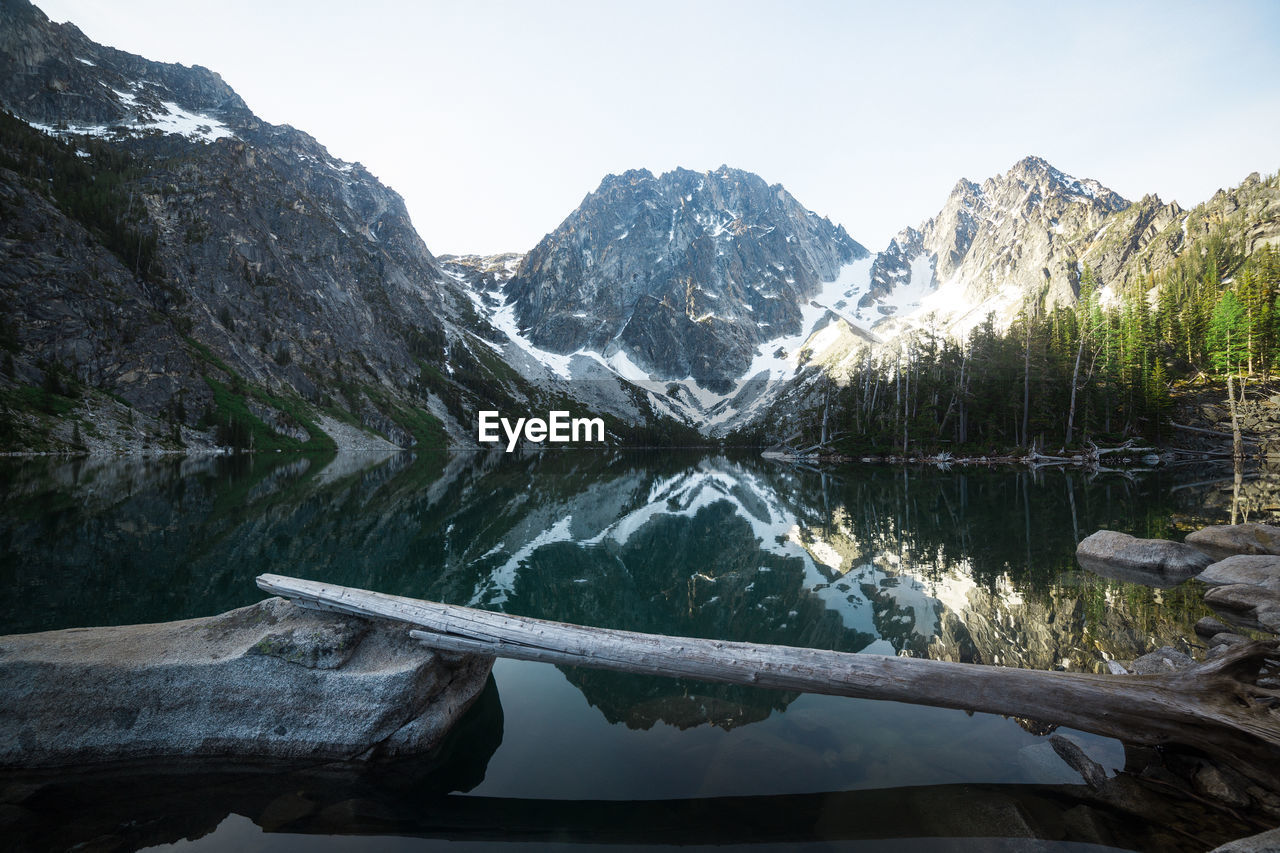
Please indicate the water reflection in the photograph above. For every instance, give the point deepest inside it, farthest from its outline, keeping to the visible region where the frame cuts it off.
(150, 803)
(966, 566)
(228, 807)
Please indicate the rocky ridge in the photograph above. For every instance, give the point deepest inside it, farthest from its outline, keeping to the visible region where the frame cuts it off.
(684, 274)
(253, 288)
(227, 275)
(1010, 241)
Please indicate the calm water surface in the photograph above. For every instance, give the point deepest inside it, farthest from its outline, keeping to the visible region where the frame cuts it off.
(963, 565)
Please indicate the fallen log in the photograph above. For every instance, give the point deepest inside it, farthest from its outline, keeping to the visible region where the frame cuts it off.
(1217, 707)
(1214, 432)
(1127, 447)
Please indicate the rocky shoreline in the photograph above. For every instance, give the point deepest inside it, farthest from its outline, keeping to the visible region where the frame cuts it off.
(274, 682)
(1240, 565)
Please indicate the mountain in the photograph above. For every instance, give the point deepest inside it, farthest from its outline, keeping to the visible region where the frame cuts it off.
(1014, 239)
(1023, 239)
(1150, 237)
(720, 279)
(683, 275)
(1021, 245)
(176, 271)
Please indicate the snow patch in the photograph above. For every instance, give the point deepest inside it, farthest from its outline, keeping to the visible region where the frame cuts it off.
(172, 119)
(501, 583)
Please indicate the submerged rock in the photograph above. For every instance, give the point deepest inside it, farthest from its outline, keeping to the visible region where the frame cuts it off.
(1247, 604)
(1209, 627)
(1223, 540)
(269, 681)
(1153, 562)
(1071, 752)
(1162, 661)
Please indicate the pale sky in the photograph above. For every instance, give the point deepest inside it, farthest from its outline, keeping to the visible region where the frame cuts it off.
(494, 119)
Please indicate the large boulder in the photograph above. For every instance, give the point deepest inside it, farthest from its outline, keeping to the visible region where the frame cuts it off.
(1261, 571)
(1223, 540)
(135, 805)
(1153, 562)
(269, 681)
(1246, 589)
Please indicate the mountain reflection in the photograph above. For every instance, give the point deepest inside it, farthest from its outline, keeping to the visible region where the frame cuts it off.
(966, 566)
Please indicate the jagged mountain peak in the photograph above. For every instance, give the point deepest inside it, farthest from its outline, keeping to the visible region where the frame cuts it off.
(628, 178)
(1017, 236)
(683, 181)
(256, 259)
(965, 188)
(1033, 164)
(685, 274)
(1040, 180)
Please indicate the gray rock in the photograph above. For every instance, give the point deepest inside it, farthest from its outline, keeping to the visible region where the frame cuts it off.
(1263, 842)
(1162, 661)
(1223, 540)
(1227, 638)
(1154, 562)
(1260, 570)
(269, 681)
(1209, 627)
(1246, 605)
(1217, 651)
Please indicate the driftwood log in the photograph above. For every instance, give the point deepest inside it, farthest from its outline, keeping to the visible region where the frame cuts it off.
(1218, 707)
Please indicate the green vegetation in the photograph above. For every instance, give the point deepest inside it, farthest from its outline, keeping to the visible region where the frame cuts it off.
(19, 404)
(240, 428)
(426, 428)
(1091, 372)
(206, 354)
(236, 426)
(94, 190)
(25, 398)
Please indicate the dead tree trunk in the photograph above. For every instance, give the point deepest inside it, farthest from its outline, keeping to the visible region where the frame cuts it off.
(1026, 386)
(1217, 707)
(1237, 443)
(1075, 384)
(826, 409)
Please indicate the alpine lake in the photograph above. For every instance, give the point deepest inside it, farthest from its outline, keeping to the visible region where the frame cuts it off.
(968, 564)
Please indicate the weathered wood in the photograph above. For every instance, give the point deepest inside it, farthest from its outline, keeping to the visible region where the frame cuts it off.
(1217, 707)
(1127, 447)
(1215, 432)
(1237, 445)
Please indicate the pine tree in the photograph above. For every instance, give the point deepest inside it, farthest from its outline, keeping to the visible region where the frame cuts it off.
(1228, 335)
